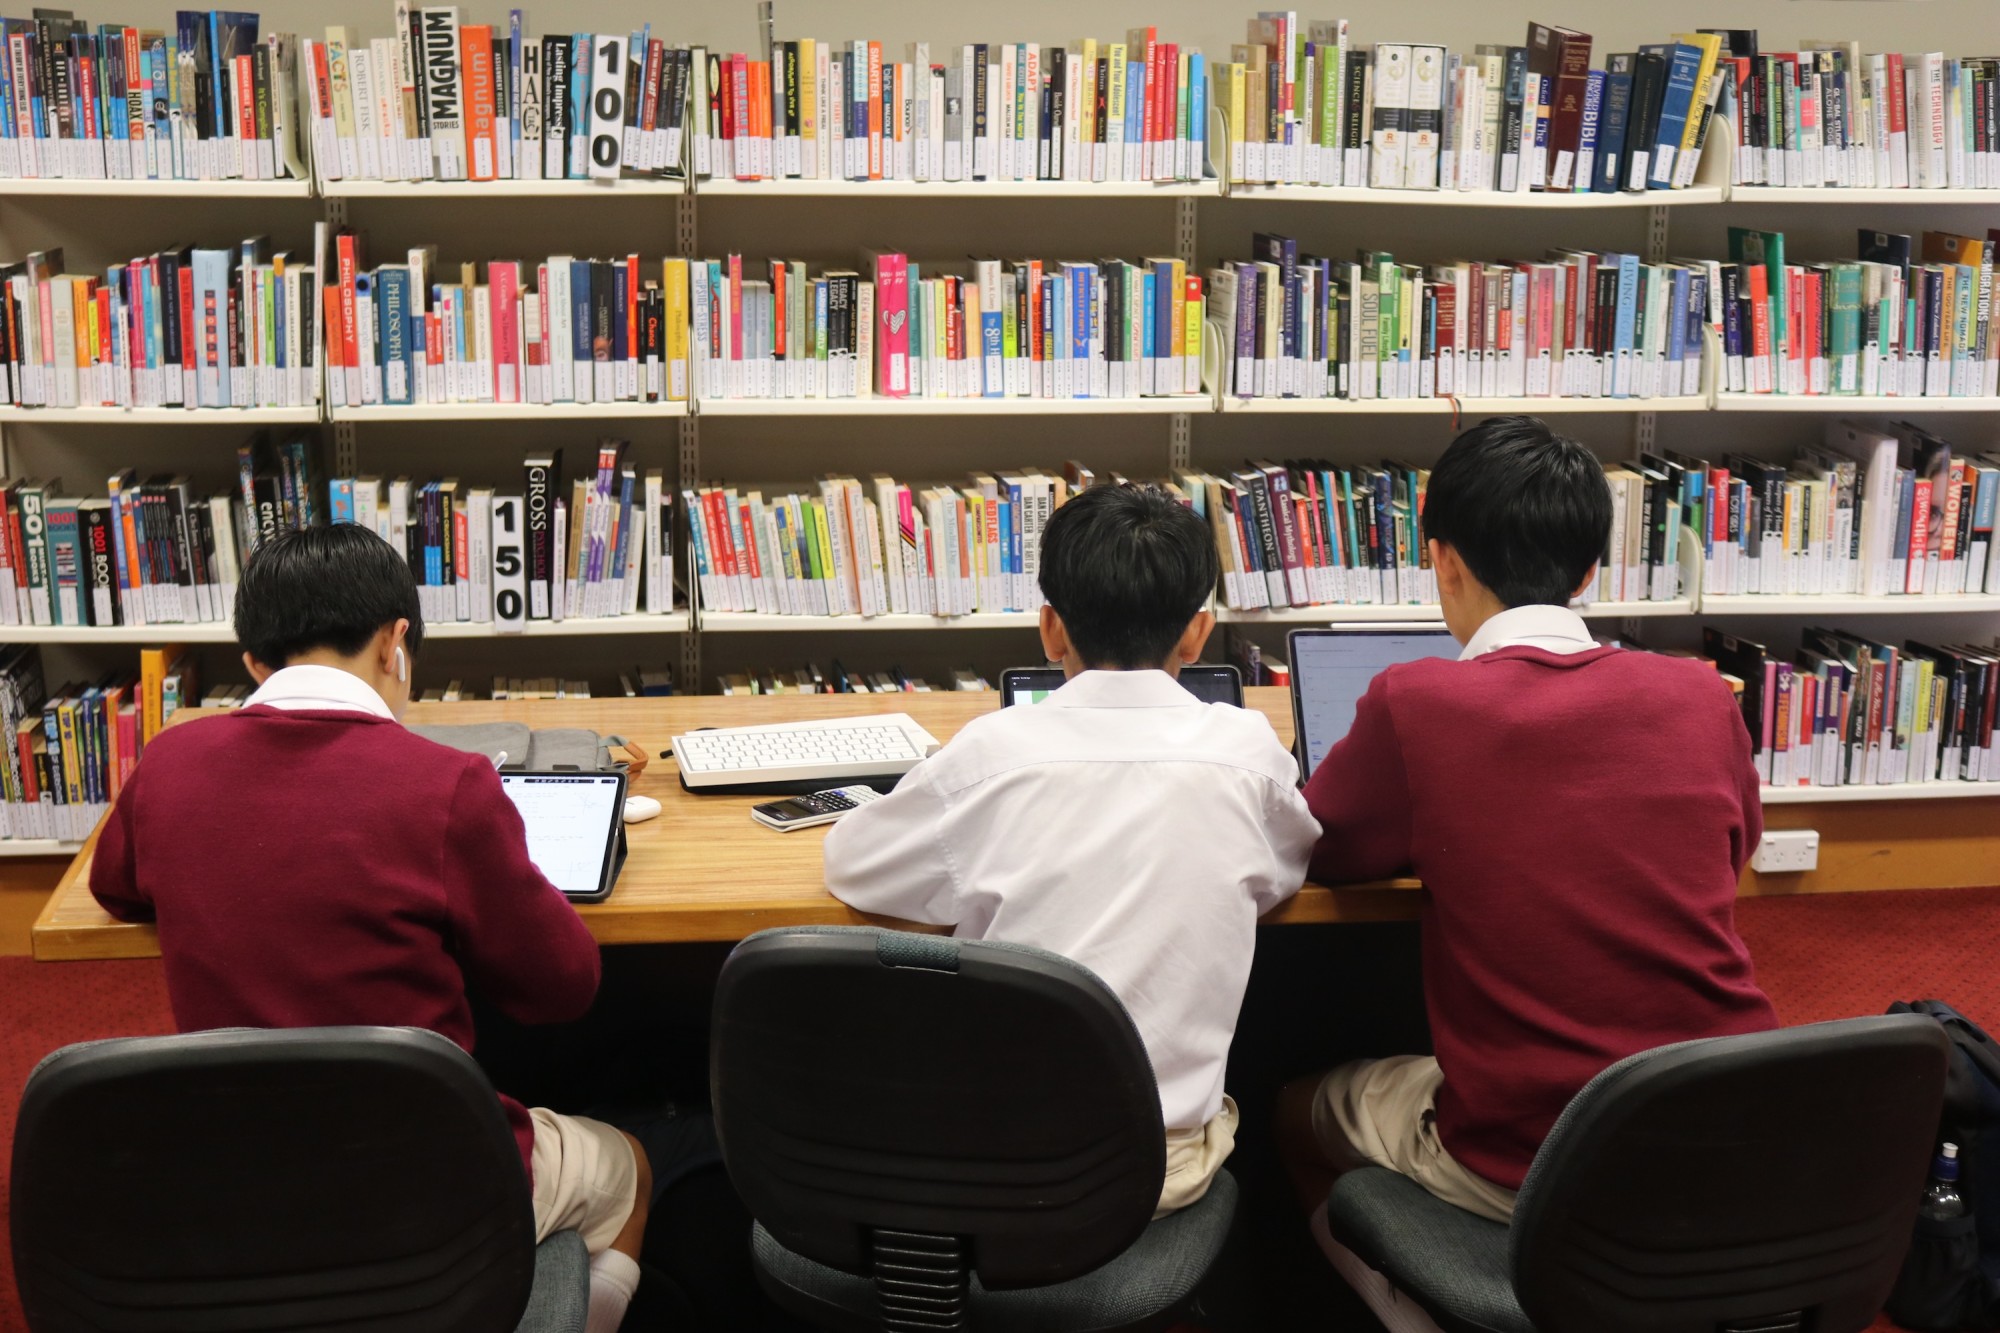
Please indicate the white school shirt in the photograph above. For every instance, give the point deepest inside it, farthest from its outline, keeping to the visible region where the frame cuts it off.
(1121, 823)
(1554, 629)
(318, 687)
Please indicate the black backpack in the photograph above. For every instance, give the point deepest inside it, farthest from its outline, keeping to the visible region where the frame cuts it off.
(1951, 1278)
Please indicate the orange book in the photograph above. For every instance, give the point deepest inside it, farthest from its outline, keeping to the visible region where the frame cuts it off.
(875, 172)
(476, 45)
(154, 663)
(760, 115)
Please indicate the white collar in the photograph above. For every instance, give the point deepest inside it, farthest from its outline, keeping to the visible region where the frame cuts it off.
(320, 687)
(1555, 629)
(1121, 689)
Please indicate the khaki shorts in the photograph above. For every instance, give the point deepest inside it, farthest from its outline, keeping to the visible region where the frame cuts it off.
(1386, 1112)
(586, 1178)
(1193, 1158)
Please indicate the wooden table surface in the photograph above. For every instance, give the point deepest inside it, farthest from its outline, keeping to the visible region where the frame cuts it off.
(703, 870)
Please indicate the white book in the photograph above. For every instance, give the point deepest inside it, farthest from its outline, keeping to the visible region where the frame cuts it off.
(367, 105)
(561, 335)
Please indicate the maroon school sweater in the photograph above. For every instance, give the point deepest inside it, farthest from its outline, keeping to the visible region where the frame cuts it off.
(1581, 822)
(315, 869)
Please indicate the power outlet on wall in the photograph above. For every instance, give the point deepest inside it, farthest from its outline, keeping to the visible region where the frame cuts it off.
(1786, 851)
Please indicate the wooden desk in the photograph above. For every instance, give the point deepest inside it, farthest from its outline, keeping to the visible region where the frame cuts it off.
(702, 870)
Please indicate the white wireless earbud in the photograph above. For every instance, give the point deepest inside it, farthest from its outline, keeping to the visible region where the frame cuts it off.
(402, 664)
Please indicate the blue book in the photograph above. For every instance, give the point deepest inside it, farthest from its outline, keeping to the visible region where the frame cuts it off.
(579, 100)
(1149, 322)
(1588, 134)
(1676, 317)
(1623, 324)
(992, 345)
(340, 500)
(392, 318)
(579, 328)
(621, 555)
(65, 562)
(1135, 108)
(1050, 287)
(211, 326)
(1676, 105)
(1004, 525)
(156, 61)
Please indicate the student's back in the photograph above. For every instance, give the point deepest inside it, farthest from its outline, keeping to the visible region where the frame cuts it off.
(313, 868)
(1580, 820)
(1121, 823)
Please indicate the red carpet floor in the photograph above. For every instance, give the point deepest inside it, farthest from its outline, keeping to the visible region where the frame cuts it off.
(1835, 956)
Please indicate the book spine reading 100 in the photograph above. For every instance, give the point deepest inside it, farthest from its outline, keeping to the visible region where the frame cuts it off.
(162, 551)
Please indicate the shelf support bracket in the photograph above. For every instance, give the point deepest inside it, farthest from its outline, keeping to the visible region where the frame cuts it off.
(689, 681)
(346, 450)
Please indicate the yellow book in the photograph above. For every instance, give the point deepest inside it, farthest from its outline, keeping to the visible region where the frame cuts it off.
(1177, 319)
(1234, 73)
(71, 776)
(1192, 348)
(674, 284)
(1087, 127)
(153, 666)
(1710, 46)
(823, 556)
(809, 106)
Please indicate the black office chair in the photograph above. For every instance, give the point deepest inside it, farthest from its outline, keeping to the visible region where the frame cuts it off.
(940, 1134)
(258, 1180)
(1756, 1184)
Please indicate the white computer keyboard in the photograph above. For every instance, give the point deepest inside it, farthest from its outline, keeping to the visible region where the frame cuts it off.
(831, 751)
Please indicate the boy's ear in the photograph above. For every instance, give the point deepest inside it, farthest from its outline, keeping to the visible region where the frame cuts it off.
(258, 671)
(1195, 637)
(1055, 639)
(1450, 570)
(1589, 576)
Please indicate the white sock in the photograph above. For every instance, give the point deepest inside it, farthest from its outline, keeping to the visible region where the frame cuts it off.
(614, 1278)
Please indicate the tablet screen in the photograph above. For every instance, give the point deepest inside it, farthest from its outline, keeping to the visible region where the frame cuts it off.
(1210, 684)
(572, 821)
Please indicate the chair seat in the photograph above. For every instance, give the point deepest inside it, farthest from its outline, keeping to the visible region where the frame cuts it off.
(1451, 1262)
(1142, 1288)
(560, 1299)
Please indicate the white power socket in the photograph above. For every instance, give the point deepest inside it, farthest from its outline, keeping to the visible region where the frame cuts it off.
(1786, 851)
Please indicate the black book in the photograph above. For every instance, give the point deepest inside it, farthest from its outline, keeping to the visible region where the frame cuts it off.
(601, 319)
(100, 578)
(556, 109)
(544, 476)
(1059, 109)
(980, 74)
(1353, 130)
(1642, 125)
(621, 278)
(413, 56)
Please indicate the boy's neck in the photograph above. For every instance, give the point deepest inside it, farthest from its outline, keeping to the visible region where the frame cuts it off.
(1072, 669)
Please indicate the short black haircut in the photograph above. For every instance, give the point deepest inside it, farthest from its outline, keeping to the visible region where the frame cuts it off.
(331, 587)
(1528, 510)
(1126, 567)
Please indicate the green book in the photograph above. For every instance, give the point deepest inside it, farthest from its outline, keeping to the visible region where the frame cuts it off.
(1844, 303)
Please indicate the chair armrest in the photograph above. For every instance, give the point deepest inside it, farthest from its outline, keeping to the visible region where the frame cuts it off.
(561, 1296)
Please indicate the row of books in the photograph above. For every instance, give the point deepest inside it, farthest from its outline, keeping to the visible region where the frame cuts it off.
(185, 327)
(845, 548)
(1876, 509)
(155, 552)
(980, 329)
(445, 100)
(65, 756)
(208, 99)
(1899, 320)
(1306, 106)
(1828, 115)
(1580, 324)
(558, 330)
(1849, 711)
(838, 679)
(555, 550)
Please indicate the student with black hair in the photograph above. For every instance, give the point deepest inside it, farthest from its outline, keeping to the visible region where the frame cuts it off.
(312, 863)
(1580, 815)
(1120, 822)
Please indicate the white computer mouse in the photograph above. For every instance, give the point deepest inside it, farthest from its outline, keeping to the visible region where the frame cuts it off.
(639, 809)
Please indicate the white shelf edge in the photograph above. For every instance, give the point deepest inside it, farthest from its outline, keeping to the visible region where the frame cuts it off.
(739, 622)
(1789, 194)
(845, 189)
(38, 847)
(48, 187)
(222, 632)
(968, 407)
(1419, 613)
(1822, 402)
(1897, 791)
(1752, 604)
(161, 416)
(509, 412)
(502, 189)
(1443, 406)
(1347, 194)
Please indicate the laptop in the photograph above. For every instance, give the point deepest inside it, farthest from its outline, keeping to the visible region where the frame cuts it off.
(1210, 684)
(576, 828)
(1332, 668)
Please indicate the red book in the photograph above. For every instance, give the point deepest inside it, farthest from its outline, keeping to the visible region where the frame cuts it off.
(503, 281)
(633, 292)
(1572, 81)
(104, 357)
(1920, 536)
(349, 264)
(1811, 292)
(475, 44)
(656, 51)
(246, 106)
(190, 356)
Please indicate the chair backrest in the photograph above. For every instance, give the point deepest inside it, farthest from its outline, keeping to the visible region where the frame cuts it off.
(1763, 1182)
(869, 1082)
(251, 1179)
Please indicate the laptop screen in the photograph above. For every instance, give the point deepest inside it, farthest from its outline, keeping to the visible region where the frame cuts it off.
(1210, 684)
(1332, 668)
(572, 821)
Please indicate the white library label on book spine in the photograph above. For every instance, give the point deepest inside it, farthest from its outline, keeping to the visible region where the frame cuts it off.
(607, 107)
